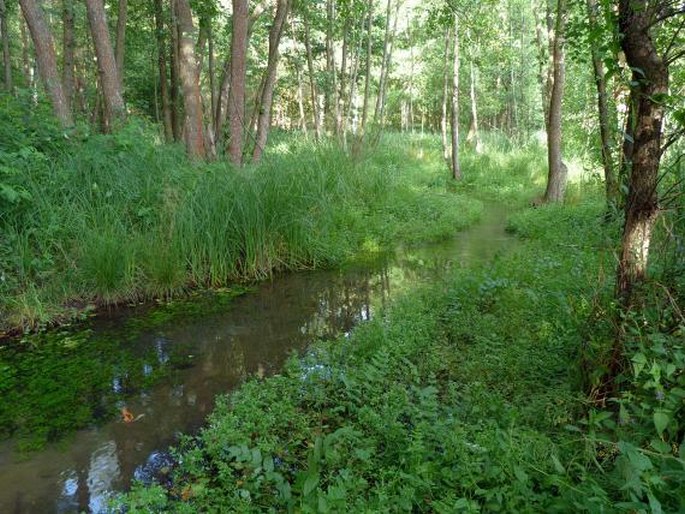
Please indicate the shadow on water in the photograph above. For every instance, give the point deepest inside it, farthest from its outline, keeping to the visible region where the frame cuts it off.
(159, 374)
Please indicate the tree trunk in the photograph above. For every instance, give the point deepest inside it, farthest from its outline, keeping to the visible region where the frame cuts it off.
(161, 61)
(68, 48)
(264, 120)
(312, 78)
(445, 95)
(47, 61)
(557, 174)
(473, 137)
(174, 73)
(606, 140)
(649, 83)
(115, 110)
(302, 122)
(193, 132)
(330, 108)
(25, 64)
(379, 113)
(121, 39)
(454, 120)
(236, 101)
(6, 57)
(367, 79)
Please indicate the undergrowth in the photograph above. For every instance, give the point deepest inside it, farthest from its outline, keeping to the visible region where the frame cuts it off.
(102, 219)
(466, 395)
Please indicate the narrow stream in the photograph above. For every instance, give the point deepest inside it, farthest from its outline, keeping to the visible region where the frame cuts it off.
(165, 374)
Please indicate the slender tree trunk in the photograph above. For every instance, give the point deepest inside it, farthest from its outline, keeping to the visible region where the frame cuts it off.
(68, 48)
(606, 139)
(340, 91)
(445, 95)
(557, 174)
(329, 111)
(162, 64)
(454, 119)
(367, 79)
(6, 57)
(649, 83)
(25, 62)
(266, 101)
(115, 110)
(193, 132)
(542, 36)
(174, 74)
(120, 46)
(312, 78)
(302, 122)
(47, 60)
(212, 71)
(473, 137)
(236, 101)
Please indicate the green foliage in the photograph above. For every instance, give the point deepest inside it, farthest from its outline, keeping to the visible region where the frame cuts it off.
(120, 217)
(457, 399)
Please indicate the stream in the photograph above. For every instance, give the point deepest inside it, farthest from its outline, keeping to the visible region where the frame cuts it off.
(160, 371)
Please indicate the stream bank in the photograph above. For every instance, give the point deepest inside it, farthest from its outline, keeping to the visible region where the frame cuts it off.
(166, 373)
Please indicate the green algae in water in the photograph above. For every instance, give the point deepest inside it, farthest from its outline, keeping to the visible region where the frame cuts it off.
(54, 383)
(69, 381)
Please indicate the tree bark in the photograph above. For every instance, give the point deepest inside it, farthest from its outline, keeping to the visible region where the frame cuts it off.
(6, 56)
(649, 84)
(162, 63)
(557, 171)
(174, 74)
(121, 39)
(473, 137)
(115, 110)
(312, 78)
(606, 139)
(236, 101)
(68, 48)
(454, 120)
(193, 132)
(47, 61)
(329, 90)
(367, 79)
(445, 95)
(266, 101)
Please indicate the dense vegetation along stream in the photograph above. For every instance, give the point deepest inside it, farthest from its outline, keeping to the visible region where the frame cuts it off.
(160, 371)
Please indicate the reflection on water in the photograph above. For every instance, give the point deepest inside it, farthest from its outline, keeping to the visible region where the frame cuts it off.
(253, 335)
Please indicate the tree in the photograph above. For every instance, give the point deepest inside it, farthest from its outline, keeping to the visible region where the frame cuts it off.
(605, 132)
(557, 171)
(47, 60)
(193, 132)
(68, 48)
(454, 118)
(6, 58)
(115, 110)
(162, 65)
(269, 82)
(649, 87)
(236, 101)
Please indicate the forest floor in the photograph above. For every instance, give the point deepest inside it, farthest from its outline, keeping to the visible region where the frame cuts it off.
(465, 395)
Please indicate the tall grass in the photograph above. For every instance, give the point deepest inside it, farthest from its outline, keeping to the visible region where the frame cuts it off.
(121, 217)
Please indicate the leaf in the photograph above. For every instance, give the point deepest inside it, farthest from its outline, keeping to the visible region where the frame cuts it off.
(661, 420)
(639, 362)
(654, 504)
(557, 465)
(310, 484)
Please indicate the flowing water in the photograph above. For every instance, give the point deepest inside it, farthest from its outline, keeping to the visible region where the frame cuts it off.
(161, 372)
